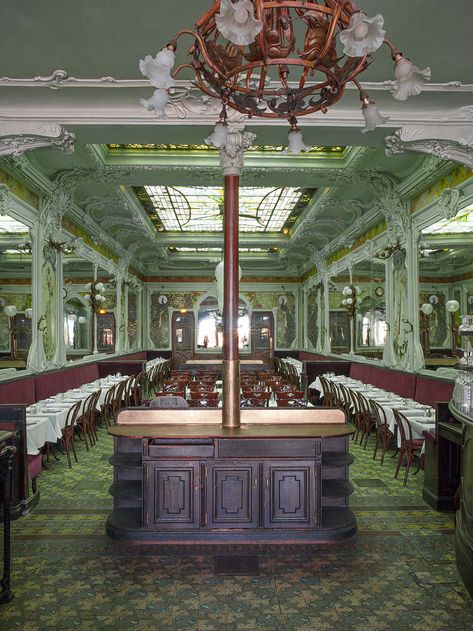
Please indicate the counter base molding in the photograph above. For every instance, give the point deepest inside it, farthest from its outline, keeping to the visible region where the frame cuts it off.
(204, 484)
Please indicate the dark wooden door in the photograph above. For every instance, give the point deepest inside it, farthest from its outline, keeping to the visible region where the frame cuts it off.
(183, 332)
(172, 496)
(289, 495)
(232, 495)
(262, 331)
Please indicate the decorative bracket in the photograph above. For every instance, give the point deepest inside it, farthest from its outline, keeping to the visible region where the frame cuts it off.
(17, 137)
(449, 142)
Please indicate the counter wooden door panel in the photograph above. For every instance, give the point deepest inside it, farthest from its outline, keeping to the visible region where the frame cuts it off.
(232, 495)
(172, 497)
(289, 495)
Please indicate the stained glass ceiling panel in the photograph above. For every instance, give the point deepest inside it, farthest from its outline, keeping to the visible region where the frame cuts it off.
(462, 223)
(200, 209)
(183, 147)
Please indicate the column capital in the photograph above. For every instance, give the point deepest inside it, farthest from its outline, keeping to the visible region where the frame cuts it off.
(232, 153)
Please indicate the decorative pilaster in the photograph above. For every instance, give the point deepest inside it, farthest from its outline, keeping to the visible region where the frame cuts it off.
(36, 361)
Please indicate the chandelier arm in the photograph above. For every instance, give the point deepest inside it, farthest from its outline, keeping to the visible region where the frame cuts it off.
(394, 49)
(209, 15)
(329, 35)
(202, 48)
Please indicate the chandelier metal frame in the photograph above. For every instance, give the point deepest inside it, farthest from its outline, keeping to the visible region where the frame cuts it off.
(239, 74)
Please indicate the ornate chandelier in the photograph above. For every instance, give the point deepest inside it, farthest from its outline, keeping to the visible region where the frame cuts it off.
(280, 59)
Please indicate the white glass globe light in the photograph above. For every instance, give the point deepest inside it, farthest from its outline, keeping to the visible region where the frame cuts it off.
(157, 103)
(358, 291)
(81, 319)
(427, 308)
(236, 22)
(87, 297)
(99, 286)
(372, 117)
(349, 301)
(219, 136)
(344, 302)
(363, 36)
(10, 311)
(410, 80)
(452, 306)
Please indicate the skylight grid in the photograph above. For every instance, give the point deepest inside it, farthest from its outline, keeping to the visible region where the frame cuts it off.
(200, 209)
(462, 223)
(11, 226)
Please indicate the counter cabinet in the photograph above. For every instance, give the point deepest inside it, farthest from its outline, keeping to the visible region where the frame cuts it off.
(230, 490)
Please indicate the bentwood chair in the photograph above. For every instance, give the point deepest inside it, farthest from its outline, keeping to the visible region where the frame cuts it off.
(257, 396)
(251, 402)
(106, 413)
(409, 446)
(86, 422)
(292, 403)
(68, 432)
(327, 396)
(383, 434)
(176, 393)
(286, 396)
(368, 421)
(203, 394)
(346, 401)
(203, 402)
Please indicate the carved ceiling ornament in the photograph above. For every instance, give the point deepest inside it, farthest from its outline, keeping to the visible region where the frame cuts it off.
(449, 142)
(449, 202)
(232, 153)
(17, 137)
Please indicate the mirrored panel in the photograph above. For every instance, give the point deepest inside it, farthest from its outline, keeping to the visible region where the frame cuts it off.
(78, 315)
(370, 307)
(445, 286)
(210, 328)
(109, 303)
(339, 314)
(15, 293)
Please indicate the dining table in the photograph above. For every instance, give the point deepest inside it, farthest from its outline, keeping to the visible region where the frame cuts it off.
(46, 419)
(420, 416)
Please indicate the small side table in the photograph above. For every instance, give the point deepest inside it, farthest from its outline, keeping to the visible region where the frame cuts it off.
(7, 453)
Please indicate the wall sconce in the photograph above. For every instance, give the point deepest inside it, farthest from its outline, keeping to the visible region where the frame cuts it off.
(350, 300)
(425, 311)
(452, 307)
(94, 297)
(62, 246)
(11, 311)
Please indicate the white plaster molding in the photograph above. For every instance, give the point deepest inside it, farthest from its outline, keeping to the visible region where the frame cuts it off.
(232, 153)
(18, 137)
(446, 142)
(6, 202)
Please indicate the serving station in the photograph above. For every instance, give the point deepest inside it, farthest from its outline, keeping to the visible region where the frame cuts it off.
(281, 477)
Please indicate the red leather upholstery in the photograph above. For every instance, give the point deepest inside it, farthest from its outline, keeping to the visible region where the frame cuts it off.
(34, 466)
(429, 390)
(20, 391)
(402, 383)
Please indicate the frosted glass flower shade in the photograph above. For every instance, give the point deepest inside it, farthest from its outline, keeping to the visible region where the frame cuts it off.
(219, 277)
(295, 142)
(452, 306)
(157, 103)
(427, 308)
(372, 117)
(410, 81)
(10, 311)
(219, 136)
(363, 36)
(158, 70)
(236, 22)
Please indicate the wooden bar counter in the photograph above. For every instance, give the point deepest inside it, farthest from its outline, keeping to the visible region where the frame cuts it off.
(181, 478)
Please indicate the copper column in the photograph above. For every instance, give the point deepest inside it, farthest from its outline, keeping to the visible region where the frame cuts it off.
(231, 363)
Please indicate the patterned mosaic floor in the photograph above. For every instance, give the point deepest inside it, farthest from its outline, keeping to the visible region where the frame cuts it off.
(399, 574)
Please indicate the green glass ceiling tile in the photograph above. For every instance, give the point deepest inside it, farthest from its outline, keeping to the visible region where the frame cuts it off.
(115, 148)
(200, 209)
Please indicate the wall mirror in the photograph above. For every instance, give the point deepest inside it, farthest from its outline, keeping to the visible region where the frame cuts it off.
(15, 293)
(445, 286)
(339, 314)
(210, 330)
(369, 307)
(106, 312)
(78, 331)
